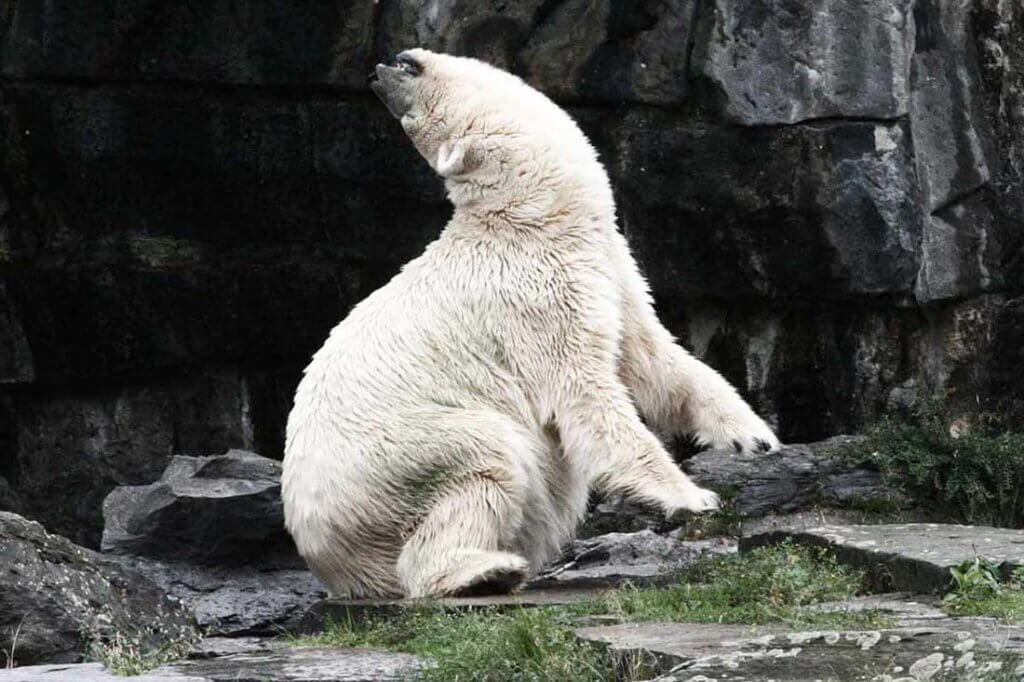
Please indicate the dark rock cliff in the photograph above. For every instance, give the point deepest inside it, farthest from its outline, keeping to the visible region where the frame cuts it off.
(826, 196)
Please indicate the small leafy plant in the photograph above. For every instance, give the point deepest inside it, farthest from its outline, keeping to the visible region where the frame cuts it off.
(979, 591)
(971, 468)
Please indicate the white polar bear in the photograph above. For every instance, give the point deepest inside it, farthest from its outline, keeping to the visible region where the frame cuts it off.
(445, 437)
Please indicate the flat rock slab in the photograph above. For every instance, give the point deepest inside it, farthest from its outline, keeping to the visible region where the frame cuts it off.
(900, 606)
(361, 610)
(84, 672)
(308, 664)
(250, 660)
(911, 557)
(703, 652)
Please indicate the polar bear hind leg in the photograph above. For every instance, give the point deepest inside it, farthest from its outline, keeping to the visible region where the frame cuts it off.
(457, 548)
(469, 538)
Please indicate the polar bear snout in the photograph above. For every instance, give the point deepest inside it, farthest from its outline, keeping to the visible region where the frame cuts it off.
(393, 84)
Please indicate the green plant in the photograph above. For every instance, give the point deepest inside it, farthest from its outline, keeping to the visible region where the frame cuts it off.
(970, 467)
(977, 578)
(978, 591)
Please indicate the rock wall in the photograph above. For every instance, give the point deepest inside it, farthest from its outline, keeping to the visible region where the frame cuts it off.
(826, 195)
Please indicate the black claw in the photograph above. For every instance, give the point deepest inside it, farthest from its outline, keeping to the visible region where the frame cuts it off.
(738, 447)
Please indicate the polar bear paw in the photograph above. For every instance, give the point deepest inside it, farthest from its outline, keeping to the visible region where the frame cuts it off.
(743, 433)
(695, 500)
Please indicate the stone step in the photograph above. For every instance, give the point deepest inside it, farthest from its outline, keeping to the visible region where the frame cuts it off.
(674, 652)
(906, 557)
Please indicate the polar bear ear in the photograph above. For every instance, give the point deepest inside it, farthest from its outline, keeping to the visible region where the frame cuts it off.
(453, 158)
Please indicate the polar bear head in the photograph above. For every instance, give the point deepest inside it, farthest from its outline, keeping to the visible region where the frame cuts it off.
(493, 138)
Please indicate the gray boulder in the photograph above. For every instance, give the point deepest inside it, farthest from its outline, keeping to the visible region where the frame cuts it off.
(78, 446)
(56, 599)
(796, 477)
(211, 533)
(224, 509)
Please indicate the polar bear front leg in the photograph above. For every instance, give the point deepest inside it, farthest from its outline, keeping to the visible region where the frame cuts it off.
(679, 394)
(603, 435)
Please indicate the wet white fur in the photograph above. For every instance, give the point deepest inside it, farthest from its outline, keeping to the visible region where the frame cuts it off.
(451, 426)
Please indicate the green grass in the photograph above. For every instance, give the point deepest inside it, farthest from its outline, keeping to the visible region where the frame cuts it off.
(767, 585)
(978, 590)
(974, 474)
(525, 644)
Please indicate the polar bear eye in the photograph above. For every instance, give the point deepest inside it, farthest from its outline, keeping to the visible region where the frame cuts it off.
(409, 65)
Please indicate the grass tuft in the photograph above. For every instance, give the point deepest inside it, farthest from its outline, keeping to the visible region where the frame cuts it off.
(127, 655)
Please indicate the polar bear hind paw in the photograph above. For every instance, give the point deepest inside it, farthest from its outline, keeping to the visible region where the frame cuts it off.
(484, 572)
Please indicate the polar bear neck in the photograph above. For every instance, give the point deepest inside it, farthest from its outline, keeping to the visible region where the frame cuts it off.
(572, 192)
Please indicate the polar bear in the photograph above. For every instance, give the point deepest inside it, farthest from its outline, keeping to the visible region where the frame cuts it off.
(444, 439)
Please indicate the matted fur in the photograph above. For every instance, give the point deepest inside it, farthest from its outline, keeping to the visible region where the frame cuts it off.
(449, 430)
